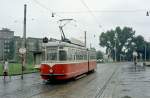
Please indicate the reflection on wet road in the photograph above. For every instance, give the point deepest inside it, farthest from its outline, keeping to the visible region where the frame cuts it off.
(134, 83)
(120, 80)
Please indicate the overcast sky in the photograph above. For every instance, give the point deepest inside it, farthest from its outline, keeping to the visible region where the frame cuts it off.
(93, 16)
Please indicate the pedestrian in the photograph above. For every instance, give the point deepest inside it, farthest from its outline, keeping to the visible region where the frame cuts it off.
(5, 69)
(135, 60)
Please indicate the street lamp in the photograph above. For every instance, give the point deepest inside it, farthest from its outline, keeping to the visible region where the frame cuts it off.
(145, 52)
(147, 13)
(115, 47)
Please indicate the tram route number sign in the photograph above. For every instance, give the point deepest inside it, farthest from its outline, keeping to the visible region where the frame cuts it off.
(45, 40)
(22, 50)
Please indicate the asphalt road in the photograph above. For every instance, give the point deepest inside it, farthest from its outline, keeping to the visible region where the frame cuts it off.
(111, 80)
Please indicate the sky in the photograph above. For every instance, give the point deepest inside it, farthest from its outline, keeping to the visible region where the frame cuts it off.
(92, 16)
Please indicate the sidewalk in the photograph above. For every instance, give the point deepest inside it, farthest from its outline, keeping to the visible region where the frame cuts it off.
(18, 88)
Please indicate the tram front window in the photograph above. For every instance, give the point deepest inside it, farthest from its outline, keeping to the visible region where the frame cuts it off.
(62, 55)
(52, 53)
(52, 56)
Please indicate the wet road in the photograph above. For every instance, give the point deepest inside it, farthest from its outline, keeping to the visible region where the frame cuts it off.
(120, 80)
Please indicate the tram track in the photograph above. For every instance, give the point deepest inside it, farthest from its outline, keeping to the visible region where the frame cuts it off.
(101, 91)
(72, 84)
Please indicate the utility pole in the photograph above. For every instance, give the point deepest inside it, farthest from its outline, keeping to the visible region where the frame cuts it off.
(23, 49)
(3, 50)
(120, 57)
(115, 48)
(24, 27)
(85, 38)
(145, 52)
(115, 51)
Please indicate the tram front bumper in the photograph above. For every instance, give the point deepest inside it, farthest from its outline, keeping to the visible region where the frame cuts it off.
(52, 74)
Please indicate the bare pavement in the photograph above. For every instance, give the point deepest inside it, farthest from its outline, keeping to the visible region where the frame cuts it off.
(110, 80)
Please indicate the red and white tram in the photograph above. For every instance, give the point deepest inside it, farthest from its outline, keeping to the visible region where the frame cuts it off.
(66, 60)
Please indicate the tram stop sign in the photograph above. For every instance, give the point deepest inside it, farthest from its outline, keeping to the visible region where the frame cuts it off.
(22, 50)
(45, 40)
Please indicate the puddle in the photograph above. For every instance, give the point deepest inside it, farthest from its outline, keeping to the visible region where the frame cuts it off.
(134, 82)
(126, 97)
(125, 90)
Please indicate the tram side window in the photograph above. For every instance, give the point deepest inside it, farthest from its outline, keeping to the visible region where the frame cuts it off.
(84, 55)
(77, 55)
(72, 53)
(62, 55)
(69, 55)
(80, 55)
(92, 55)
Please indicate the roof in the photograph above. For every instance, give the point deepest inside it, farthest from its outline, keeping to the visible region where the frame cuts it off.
(6, 30)
(65, 44)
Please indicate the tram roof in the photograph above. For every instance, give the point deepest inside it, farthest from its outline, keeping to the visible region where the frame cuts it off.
(63, 44)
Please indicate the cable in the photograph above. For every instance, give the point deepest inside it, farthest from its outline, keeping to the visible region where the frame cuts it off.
(46, 8)
(41, 5)
(94, 17)
(90, 11)
(103, 11)
(82, 1)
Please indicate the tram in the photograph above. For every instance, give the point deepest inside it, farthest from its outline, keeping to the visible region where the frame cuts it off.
(67, 60)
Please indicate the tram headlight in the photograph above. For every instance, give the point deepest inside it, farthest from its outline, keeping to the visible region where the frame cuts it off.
(50, 70)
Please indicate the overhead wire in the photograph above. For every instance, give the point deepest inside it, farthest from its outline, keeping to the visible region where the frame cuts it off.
(46, 8)
(89, 10)
(103, 11)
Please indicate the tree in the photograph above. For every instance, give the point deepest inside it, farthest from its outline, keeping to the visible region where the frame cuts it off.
(118, 39)
(99, 55)
(139, 44)
(148, 50)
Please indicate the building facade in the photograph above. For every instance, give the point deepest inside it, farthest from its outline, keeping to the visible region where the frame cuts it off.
(7, 44)
(10, 44)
